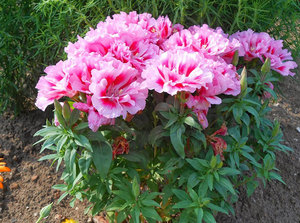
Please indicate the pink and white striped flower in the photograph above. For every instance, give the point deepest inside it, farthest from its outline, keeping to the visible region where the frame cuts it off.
(95, 120)
(54, 85)
(177, 71)
(262, 46)
(116, 90)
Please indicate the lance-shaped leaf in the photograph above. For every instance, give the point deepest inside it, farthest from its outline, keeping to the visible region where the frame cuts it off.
(102, 157)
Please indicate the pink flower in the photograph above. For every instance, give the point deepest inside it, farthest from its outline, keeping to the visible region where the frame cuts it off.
(116, 90)
(203, 39)
(182, 40)
(79, 71)
(177, 71)
(213, 41)
(137, 53)
(262, 46)
(129, 43)
(225, 81)
(163, 29)
(54, 85)
(95, 120)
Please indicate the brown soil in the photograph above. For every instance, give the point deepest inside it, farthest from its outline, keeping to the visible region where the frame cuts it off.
(28, 186)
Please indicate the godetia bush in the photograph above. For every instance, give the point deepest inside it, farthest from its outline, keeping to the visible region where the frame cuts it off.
(155, 122)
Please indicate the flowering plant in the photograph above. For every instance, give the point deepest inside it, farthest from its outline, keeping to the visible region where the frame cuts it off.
(158, 123)
(3, 168)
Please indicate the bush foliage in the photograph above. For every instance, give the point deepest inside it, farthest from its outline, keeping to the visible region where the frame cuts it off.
(157, 123)
(33, 33)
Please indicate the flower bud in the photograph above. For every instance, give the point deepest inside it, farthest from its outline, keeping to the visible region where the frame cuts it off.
(266, 66)
(243, 81)
(235, 59)
(57, 106)
(66, 111)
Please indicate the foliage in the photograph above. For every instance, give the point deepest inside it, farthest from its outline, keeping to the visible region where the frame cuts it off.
(179, 151)
(34, 33)
(160, 179)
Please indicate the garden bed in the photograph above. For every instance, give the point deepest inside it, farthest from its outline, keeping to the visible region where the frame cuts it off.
(28, 186)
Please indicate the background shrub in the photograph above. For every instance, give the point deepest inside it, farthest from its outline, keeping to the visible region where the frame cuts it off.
(33, 33)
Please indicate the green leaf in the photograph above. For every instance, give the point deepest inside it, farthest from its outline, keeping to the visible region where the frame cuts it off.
(176, 140)
(235, 133)
(156, 134)
(62, 187)
(81, 126)
(171, 121)
(213, 162)
(149, 212)
(202, 190)
(121, 216)
(83, 141)
(135, 187)
(125, 195)
(198, 164)
(210, 181)
(62, 197)
(57, 106)
(200, 137)
(49, 142)
(199, 214)
(48, 131)
(185, 216)
(276, 176)
(237, 114)
(182, 204)
(192, 194)
(102, 157)
(153, 195)
(208, 217)
(193, 180)
(162, 106)
(75, 115)
(251, 158)
(227, 184)
(49, 157)
(60, 119)
(150, 203)
(61, 142)
(77, 180)
(226, 171)
(84, 163)
(254, 113)
(182, 195)
(135, 214)
(216, 208)
(251, 186)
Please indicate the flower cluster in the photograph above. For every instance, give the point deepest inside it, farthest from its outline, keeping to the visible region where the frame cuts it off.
(150, 91)
(115, 65)
(262, 46)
